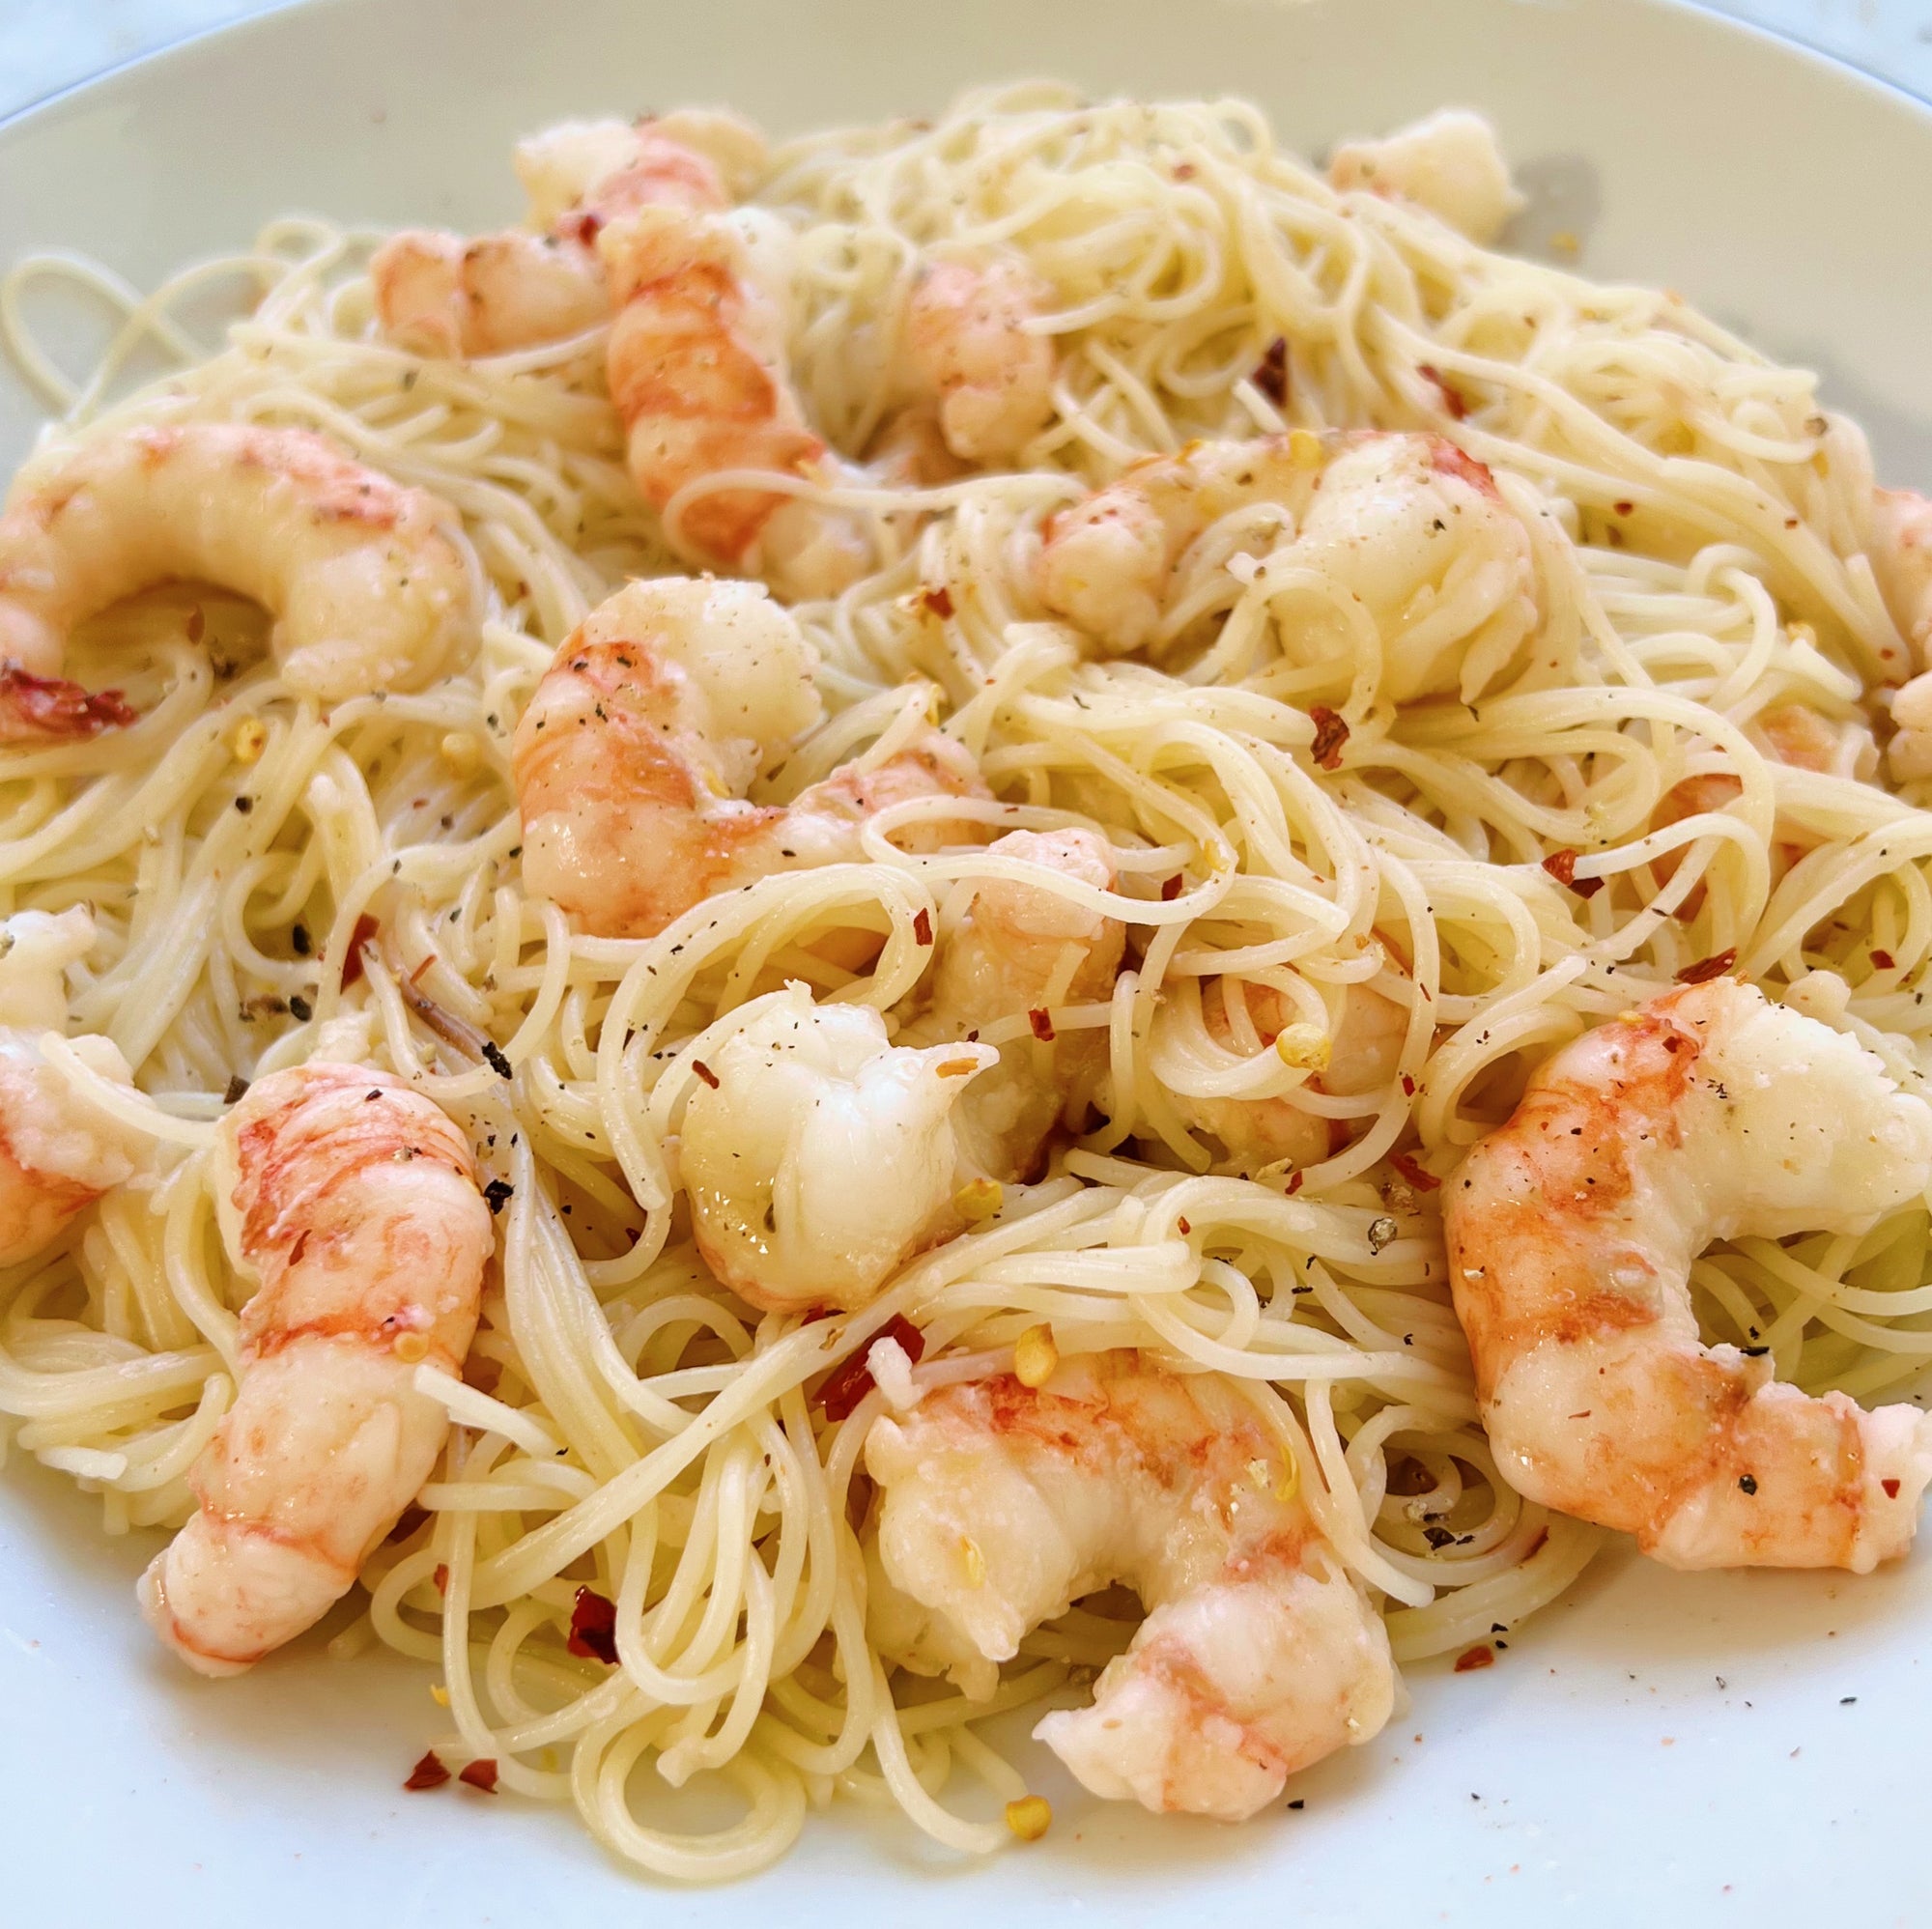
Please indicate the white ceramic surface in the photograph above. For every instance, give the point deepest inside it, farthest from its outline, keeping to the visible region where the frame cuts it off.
(1724, 1747)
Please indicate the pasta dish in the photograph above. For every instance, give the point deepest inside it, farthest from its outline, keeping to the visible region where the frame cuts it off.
(1023, 913)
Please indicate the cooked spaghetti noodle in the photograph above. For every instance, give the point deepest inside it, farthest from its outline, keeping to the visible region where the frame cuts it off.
(1506, 862)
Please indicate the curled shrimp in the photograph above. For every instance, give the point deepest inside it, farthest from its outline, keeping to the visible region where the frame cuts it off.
(443, 293)
(1705, 1114)
(818, 1157)
(633, 755)
(1233, 1054)
(1898, 542)
(1000, 1505)
(368, 589)
(1405, 527)
(1449, 162)
(989, 378)
(58, 1154)
(352, 1201)
(700, 373)
(1021, 948)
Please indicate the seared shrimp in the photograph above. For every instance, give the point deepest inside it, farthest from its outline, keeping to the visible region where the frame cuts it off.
(970, 350)
(699, 373)
(1705, 1114)
(633, 756)
(1407, 527)
(354, 1202)
(446, 294)
(368, 591)
(1020, 949)
(1358, 1055)
(817, 1157)
(1449, 163)
(1000, 1505)
(58, 1154)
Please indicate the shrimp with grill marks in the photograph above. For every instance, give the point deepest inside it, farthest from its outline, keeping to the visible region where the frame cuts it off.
(1706, 1114)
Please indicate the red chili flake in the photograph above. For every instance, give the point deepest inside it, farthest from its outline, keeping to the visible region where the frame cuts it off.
(852, 1380)
(1623, 508)
(1446, 459)
(1407, 1086)
(442, 1577)
(582, 227)
(197, 624)
(938, 602)
(1184, 1227)
(1170, 888)
(1418, 1175)
(429, 1772)
(417, 975)
(1891, 1489)
(1562, 866)
(1294, 1184)
(705, 1073)
(1183, 170)
(1882, 959)
(1042, 1025)
(365, 929)
(1706, 968)
(1330, 734)
(50, 706)
(1475, 1657)
(1452, 401)
(922, 926)
(1272, 373)
(593, 1627)
(481, 1774)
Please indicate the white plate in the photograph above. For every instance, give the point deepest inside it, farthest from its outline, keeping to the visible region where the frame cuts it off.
(1741, 1748)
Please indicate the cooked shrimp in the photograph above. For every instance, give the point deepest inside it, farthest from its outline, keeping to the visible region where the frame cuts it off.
(1211, 1083)
(446, 294)
(1449, 162)
(817, 1157)
(1898, 543)
(1703, 1115)
(1000, 1506)
(970, 350)
(1020, 948)
(1404, 525)
(698, 371)
(58, 1154)
(353, 1200)
(368, 591)
(1791, 734)
(633, 756)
